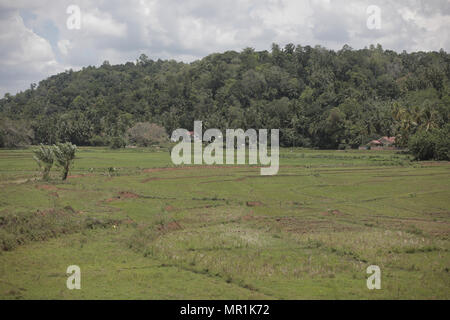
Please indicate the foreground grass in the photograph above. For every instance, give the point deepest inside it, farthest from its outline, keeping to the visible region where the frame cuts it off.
(226, 232)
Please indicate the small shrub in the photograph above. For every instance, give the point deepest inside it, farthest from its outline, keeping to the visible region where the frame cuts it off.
(117, 143)
(112, 172)
(20, 228)
(98, 141)
(143, 238)
(7, 241)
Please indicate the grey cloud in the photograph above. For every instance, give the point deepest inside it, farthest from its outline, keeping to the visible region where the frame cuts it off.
(191, 29)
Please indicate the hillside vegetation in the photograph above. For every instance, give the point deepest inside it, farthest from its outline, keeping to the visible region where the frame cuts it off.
(317, 97)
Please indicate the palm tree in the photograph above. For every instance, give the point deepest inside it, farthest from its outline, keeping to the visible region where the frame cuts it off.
(65, 155)
(428, 119)
(44, 157)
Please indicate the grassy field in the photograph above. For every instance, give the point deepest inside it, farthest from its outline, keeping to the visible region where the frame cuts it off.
(140, 228)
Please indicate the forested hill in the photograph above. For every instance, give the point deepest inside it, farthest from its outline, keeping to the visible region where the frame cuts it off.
(317, 97)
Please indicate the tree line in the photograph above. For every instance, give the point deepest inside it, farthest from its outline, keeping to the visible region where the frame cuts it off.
(317, 97)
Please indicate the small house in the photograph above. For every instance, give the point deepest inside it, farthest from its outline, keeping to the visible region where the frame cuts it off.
(387, 141)
(383, 143)
(375, 143)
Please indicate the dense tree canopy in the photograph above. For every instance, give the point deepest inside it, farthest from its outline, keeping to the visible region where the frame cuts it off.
(316, 97)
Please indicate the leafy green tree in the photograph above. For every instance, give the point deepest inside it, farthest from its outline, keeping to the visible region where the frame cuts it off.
(428, 118)
(145, 134)
(341, 97)
(428, 145)
(64, 156)
(422, 145)
(15, 133)
(442, 143)
(44, 157)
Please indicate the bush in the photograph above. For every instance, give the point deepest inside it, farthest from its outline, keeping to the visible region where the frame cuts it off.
(442, 144)
(23, 227)
(428, 145)
(117, 143)
(422, 145)
(98, 141)
(145, 134)
(7, 241)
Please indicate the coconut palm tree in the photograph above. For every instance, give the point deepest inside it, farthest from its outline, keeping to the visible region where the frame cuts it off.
(428, 119)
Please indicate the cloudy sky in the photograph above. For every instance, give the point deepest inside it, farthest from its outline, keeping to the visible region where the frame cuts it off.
(38, 38)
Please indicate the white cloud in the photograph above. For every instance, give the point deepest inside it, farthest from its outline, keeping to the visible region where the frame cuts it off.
(64, 46)
(25, 57)
(97, 23)
(21, 46)
(120, 31)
